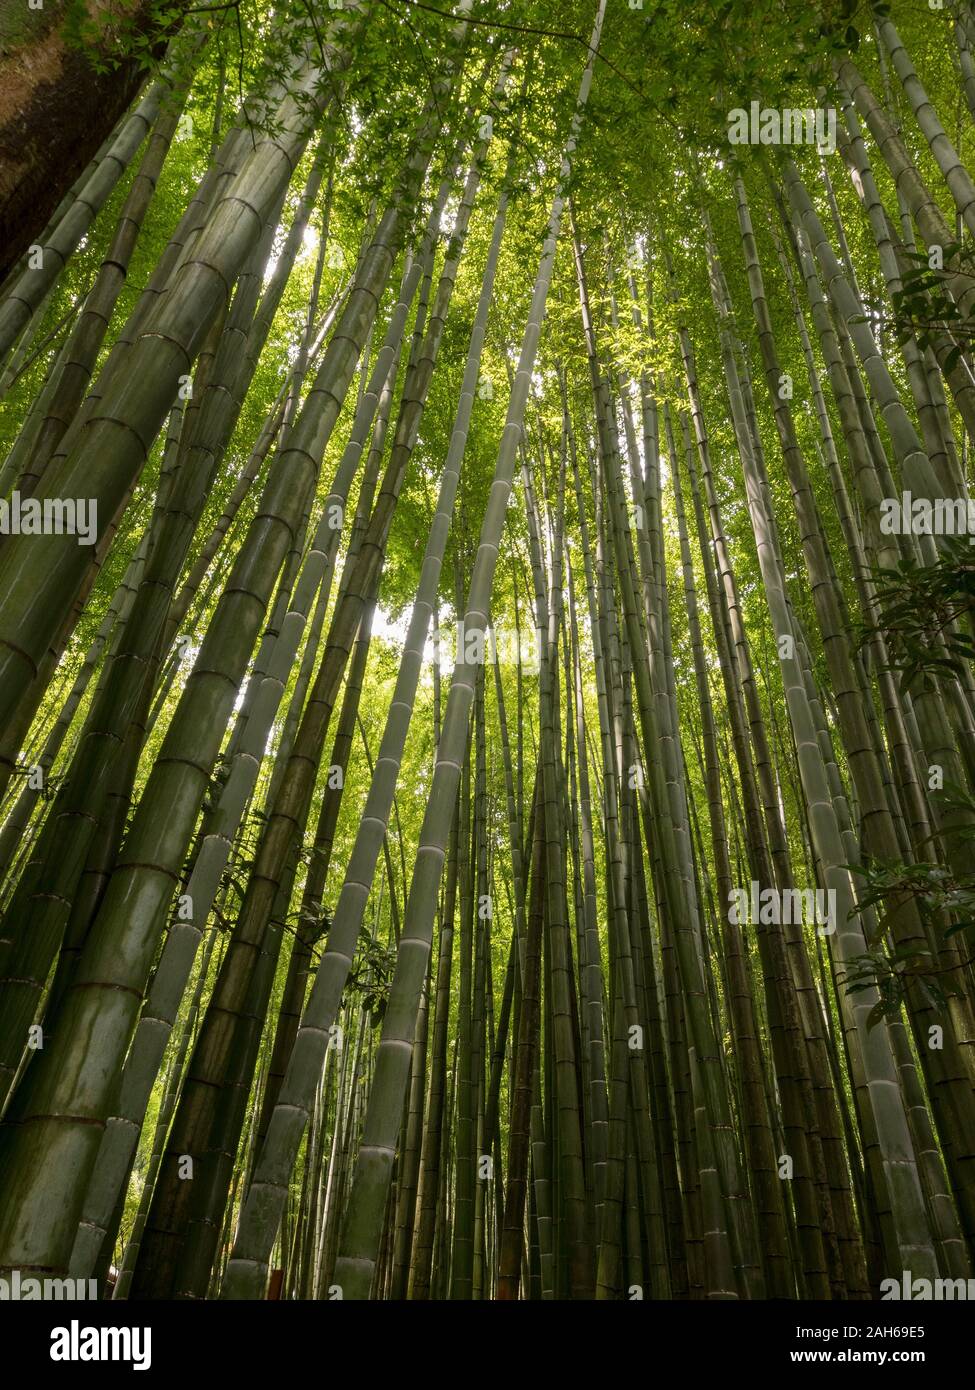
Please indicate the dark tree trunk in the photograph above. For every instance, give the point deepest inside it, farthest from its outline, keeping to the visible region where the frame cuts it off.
(57, 105)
